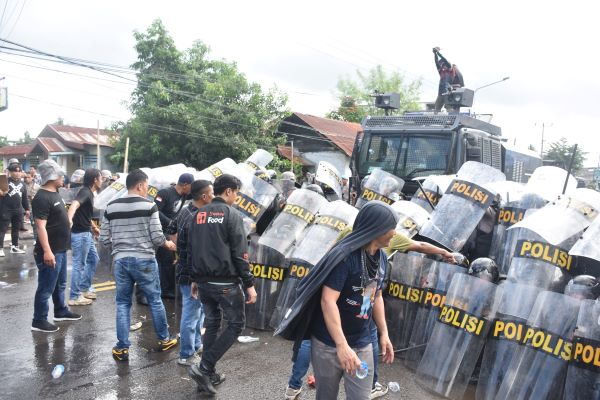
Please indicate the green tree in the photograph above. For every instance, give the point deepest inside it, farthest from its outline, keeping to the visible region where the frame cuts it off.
(561, 151)
(356, 101)
(26, 139)
(188, 108)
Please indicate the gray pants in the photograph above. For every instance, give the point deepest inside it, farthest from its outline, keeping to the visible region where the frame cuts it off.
(328, 373)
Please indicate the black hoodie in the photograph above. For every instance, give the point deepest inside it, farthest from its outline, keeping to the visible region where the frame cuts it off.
(372, 221)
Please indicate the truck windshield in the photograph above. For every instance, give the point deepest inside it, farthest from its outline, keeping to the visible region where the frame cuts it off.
(405, 155)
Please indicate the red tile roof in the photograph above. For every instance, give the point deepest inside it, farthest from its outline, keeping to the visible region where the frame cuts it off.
(18, 150)
(53, 145)
(76, 135)
(286, 152)
(341, 133)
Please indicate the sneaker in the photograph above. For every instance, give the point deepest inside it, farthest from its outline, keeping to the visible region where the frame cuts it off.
(90, 295)
(120, 354)
(2, 253)
(17, 250)
(167, 344)
(379, 390)
(43, 326)
(291, 393)
(191, 360)
(80, 301)
(216, 379)
(202, 380)
(67, 316)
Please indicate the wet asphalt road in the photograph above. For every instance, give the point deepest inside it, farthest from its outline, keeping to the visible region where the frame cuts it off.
(254, 371)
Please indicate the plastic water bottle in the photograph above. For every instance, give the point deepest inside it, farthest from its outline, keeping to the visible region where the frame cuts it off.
(363, 370)
(58, 371)
(394, 386)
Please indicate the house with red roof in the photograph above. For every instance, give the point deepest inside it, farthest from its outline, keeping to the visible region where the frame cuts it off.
(318, 139)
(72, 147)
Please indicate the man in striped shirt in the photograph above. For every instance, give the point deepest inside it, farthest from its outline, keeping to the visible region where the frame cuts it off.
(131, 224)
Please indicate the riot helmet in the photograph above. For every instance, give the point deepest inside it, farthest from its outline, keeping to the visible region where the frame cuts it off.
(583, 287)
(263, 174)
(363, 181)
(289, 176)
(271, 173)
(485, 268)
(315, 188)
(77, 176)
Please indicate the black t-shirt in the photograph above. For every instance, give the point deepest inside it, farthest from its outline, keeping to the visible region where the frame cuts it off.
(50, 206)
(82, 220)
(357, 295)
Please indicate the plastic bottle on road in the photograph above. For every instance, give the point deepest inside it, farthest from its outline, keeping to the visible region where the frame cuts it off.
(394, 386)
(58, 371)
(363, 370)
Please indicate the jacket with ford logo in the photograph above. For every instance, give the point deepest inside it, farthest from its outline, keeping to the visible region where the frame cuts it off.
(217, 249)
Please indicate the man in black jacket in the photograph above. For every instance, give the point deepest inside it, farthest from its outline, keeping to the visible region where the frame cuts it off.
(12, 204)
(192, 314)
(218, 253)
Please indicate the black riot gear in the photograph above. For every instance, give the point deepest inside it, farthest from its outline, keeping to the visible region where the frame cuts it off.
(485, 268)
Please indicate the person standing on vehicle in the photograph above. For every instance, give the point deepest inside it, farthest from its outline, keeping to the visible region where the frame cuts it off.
(218, 254)
(83, 231)
(192, 314)
(50, 250)
(132, 226)
(12, 204)
(169, 202)
(447, 77)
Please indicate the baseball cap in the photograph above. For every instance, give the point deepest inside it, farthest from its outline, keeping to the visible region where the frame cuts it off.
(186, 179)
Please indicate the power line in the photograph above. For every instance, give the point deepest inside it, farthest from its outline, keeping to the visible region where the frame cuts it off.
(17, 20)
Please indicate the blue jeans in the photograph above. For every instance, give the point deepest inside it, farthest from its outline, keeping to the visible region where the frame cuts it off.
(375, 343)
(51, 282)
(300, 366)
(85, 260)
(144, 272)
(192, 319)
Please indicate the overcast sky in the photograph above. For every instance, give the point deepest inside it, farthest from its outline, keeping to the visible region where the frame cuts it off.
(548, 49)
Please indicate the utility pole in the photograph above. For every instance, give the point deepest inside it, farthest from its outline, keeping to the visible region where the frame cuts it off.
(98, 156)
(126, 162)
(292, 156)
(542, 144)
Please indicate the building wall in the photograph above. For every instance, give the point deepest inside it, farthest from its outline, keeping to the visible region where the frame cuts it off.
(338, 159)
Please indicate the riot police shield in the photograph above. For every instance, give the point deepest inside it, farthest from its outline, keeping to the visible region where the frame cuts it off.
(549, 182)
(587, 250)
(511, 212)
(382, 186)
(267, 266)
(539, 367)
(68, 195)
(564, 217)
(212, 172)
(114, 191)
(315, 241)
(259, 159)
(163, 177)
(435, 286)
(434, 188)
(403, 294)
(510, 325)
(411, 217)
(458, 336)
(296, 215)
(462, 206)
(538, 263)
(583, 374)
(328, 175)
(253, 198)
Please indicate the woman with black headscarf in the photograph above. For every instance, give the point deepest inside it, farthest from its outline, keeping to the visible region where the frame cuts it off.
(337, 301)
